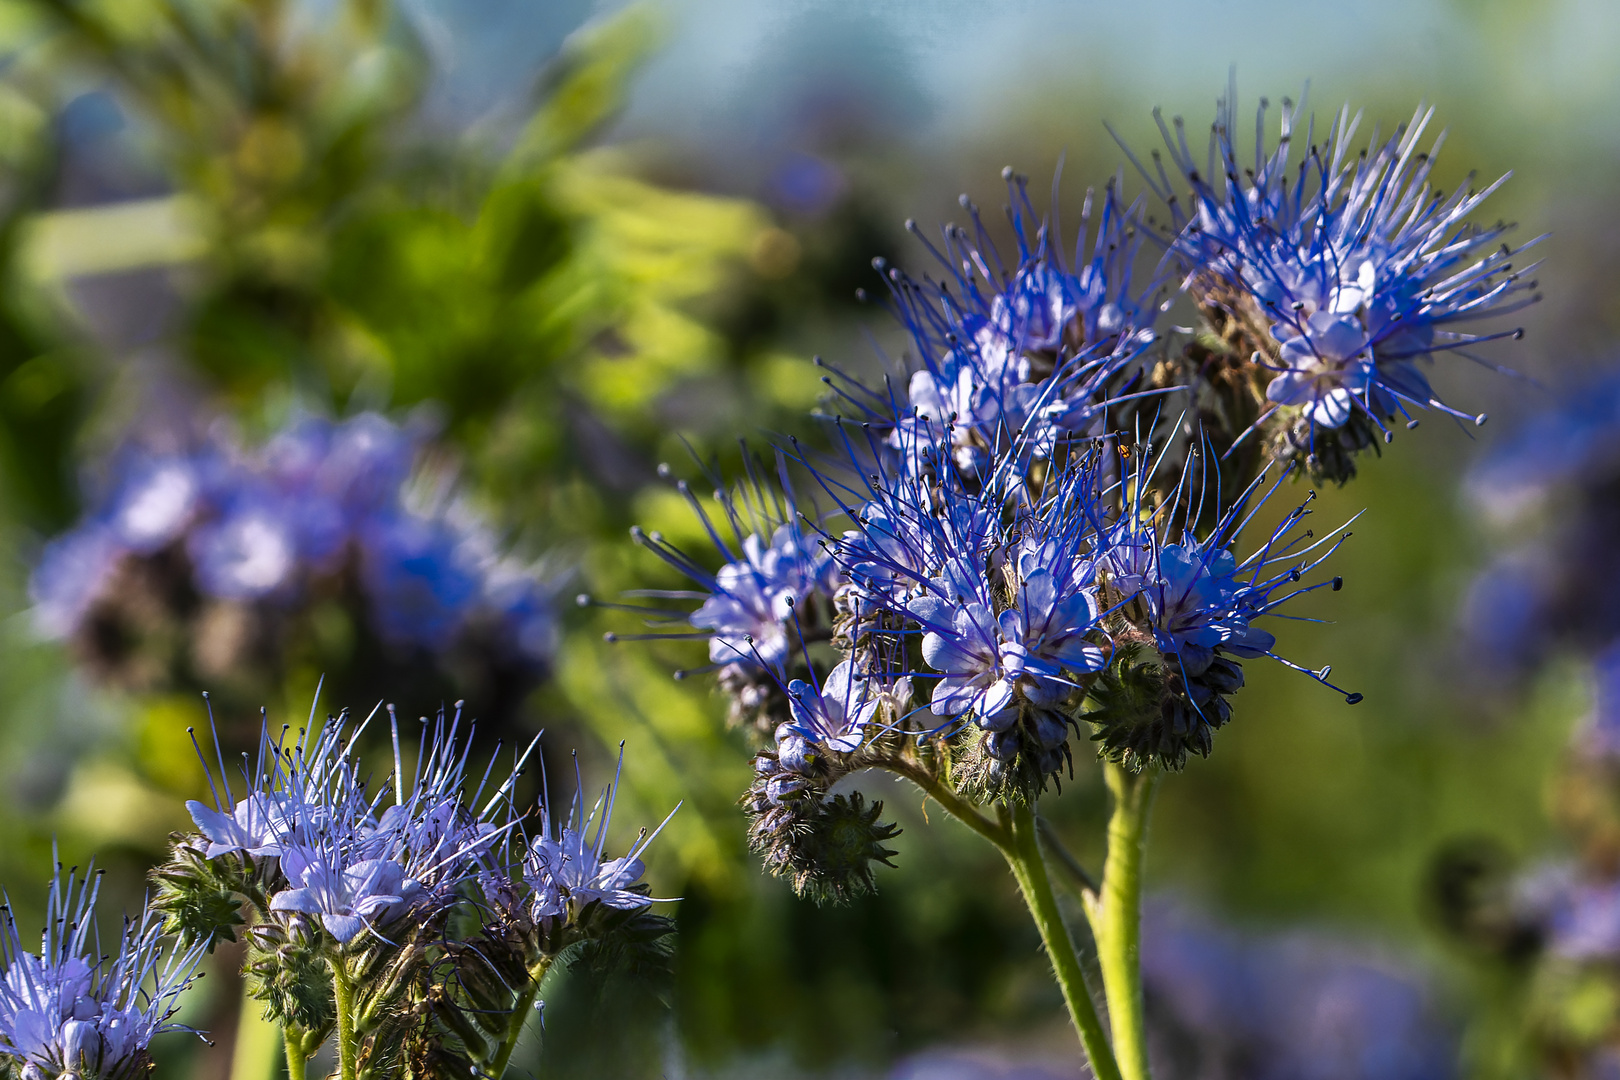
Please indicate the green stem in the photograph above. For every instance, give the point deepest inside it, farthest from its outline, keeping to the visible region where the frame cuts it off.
(1117, 922)
(953, 804)
(297, 1055)
(348, 1047)
(519, 1017)
(1024, 856)
(253, 1055)
(1085, 885)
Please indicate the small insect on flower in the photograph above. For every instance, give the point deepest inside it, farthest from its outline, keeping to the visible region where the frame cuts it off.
(69, 1010)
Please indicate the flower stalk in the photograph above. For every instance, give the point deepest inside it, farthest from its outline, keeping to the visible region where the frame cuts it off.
(1117, 918)
(348, 1043)
(298, 1052)
(519, 1018)
(1029, 868)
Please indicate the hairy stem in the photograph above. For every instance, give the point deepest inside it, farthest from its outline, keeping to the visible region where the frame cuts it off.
(1117, 921)
(348, 1045)
(1029, 867)
(520, 1015)
(293, 1041)
(253, 1055)
(1084, 884)
(953, 804)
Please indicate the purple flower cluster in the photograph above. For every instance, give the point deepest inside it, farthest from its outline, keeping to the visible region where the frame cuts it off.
(1021, 598)
(1354, 266)
(1032, 525)
(775, 583)
(359, 861)
(1027, 353)
(566, 869)
(344, 858)
(321, 505)
(70, 1009)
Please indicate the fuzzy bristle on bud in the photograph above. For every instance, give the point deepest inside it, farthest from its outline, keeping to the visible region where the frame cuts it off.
(823, 845)
(1147, 714)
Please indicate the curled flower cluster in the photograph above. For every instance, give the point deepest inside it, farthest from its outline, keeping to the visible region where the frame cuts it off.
(1021, 547)
(71, 1010)
(1023, 357)
(192, 565)
(416, 921)
(1329, 276)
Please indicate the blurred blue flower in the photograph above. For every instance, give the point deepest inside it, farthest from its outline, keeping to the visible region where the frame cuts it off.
(319, 498)
(1297, 1006)
(1549, 488)
(1599, 736)
(1573, 443)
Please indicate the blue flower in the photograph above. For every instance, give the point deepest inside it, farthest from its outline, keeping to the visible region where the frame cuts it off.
(348, 896)
(71, 1011)
(257, 825)
(281, 524)
(1356, 266)
(834, 716)
(773, 569)
(345, 856)
(1024, 354)
(565, 869)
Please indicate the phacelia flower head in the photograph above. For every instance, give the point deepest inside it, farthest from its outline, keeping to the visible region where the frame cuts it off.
(352, 859)
(321, 507)
(775, 584)
(1181, 610)
(1025, 353)
(69, 1010)
(1340, 271)
(566, 869)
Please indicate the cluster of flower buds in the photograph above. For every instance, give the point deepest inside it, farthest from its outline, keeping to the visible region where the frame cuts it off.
(195, 566)
(72, 1010)
(415, 922)
(1035, 530)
